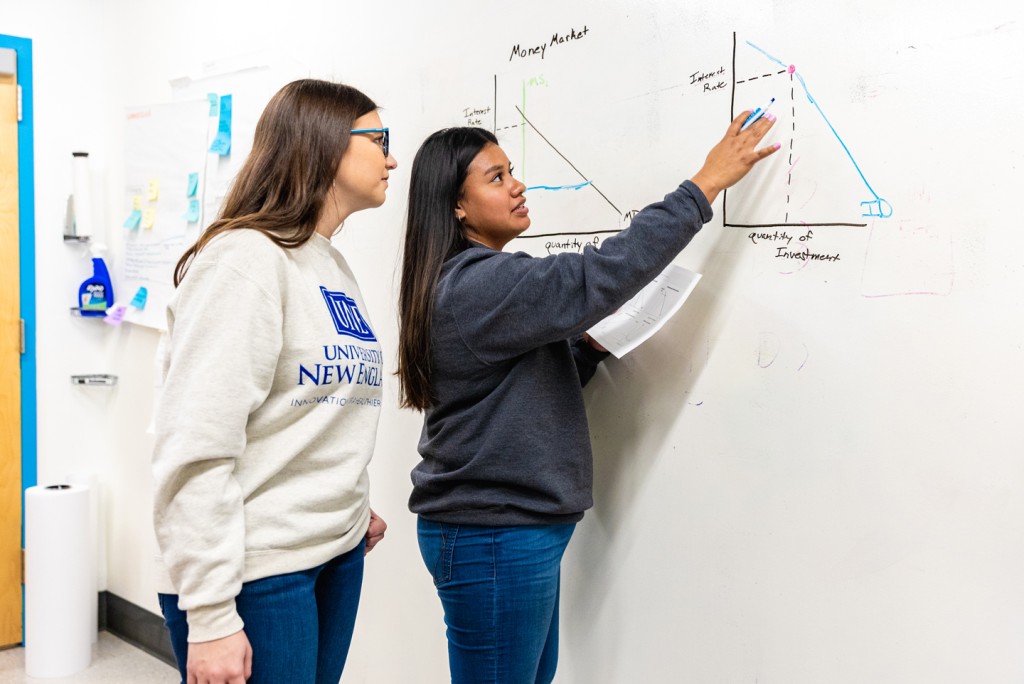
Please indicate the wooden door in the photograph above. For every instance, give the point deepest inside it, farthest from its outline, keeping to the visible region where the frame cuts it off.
(10, 362)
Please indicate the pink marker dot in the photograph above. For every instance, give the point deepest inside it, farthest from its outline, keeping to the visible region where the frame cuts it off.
(792, 68)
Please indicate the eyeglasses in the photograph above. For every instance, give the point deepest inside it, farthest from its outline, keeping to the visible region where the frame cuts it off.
(384, 142)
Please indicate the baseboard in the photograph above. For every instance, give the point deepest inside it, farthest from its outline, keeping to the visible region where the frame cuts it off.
(136, 625)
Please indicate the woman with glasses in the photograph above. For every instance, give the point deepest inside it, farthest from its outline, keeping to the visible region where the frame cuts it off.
(492, 348)
(269, 405)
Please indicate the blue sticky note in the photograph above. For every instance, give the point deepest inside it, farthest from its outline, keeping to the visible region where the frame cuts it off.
(222, 142)
(139, 300)
(193, 185)
(192, 215)
(134, 219)
(214, 100)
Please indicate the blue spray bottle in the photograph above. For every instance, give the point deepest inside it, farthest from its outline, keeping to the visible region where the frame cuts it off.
(96, 294)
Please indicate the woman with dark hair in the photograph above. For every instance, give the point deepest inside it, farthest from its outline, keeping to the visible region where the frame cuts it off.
(269, 406)
(492, 348)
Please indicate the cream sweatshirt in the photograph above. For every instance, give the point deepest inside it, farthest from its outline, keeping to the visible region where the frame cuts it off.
(271, 392)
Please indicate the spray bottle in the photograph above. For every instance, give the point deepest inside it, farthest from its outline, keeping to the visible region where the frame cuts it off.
(96, 294)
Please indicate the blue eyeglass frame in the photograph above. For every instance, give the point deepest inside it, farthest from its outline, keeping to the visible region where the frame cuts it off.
(386, 146)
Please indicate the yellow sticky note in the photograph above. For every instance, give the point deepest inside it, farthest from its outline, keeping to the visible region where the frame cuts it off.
(137, 202)
(154, 190)
(149, 217)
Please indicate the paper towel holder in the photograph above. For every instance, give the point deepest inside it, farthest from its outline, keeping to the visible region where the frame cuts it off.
(69, 224)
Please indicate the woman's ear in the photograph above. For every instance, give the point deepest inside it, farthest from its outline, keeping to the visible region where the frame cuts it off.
(459, 213)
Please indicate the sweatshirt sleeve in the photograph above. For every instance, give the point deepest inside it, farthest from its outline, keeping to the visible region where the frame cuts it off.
(225, 337)
(509, 304)
(586, 357)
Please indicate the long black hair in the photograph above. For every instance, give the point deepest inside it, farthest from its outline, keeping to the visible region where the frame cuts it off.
(280, 189)
(433, 235)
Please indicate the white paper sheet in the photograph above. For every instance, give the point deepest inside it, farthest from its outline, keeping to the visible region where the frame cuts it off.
(644, 314)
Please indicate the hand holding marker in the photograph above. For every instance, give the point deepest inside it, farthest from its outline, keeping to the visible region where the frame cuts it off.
(757, 114)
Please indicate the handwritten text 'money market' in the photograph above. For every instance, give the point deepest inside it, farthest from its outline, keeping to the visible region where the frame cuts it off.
(538, 50)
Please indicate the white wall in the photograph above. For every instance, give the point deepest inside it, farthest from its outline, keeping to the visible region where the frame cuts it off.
(92, 59)
(854, 519)
(69, 81)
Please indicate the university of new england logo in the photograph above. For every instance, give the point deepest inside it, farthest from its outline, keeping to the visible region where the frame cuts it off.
(346, 316)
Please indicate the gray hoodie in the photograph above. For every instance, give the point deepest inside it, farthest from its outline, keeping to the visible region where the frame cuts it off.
(507, 442)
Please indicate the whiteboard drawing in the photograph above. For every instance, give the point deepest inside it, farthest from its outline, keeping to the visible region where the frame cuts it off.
(806, 185)
(545, 165)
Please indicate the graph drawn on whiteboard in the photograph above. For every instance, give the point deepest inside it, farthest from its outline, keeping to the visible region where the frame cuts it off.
(557, 186)
(814, 179)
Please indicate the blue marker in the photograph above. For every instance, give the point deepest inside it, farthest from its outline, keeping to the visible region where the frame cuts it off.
(757, 114)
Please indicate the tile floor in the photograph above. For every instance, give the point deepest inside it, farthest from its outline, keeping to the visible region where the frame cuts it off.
(113, 662)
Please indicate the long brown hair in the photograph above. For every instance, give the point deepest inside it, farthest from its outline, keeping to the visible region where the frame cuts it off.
(280, 189)
(432, 236)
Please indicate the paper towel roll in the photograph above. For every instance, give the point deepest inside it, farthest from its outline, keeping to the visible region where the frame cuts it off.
(96, 546)
(58, 583)
(82, 188)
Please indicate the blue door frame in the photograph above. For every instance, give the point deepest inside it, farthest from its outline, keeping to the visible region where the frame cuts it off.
(26, 261)
(27, 267)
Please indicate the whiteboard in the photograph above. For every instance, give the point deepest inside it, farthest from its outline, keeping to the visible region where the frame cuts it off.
(812, 473)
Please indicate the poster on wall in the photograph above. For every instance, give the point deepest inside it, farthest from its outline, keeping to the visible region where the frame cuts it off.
(166, 148)
(181, 159)
(237, 98)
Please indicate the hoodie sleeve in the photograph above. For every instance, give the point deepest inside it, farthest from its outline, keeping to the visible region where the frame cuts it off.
(586, 357)
(224, 342)
(507, 304)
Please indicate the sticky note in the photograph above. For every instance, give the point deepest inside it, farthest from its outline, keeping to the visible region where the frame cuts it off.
(115, 314)
(137, 202)
(193, 185)
(149, 217)
(214, 101)
(222, 142)
(134, 219)
(192, 215)
(153, 193)
(139, 300)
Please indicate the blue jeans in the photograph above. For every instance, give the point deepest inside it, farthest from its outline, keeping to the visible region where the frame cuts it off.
(299, 624)
(499, 588)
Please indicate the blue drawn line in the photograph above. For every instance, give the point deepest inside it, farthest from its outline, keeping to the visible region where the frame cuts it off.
(559, 187)
(883, 211)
